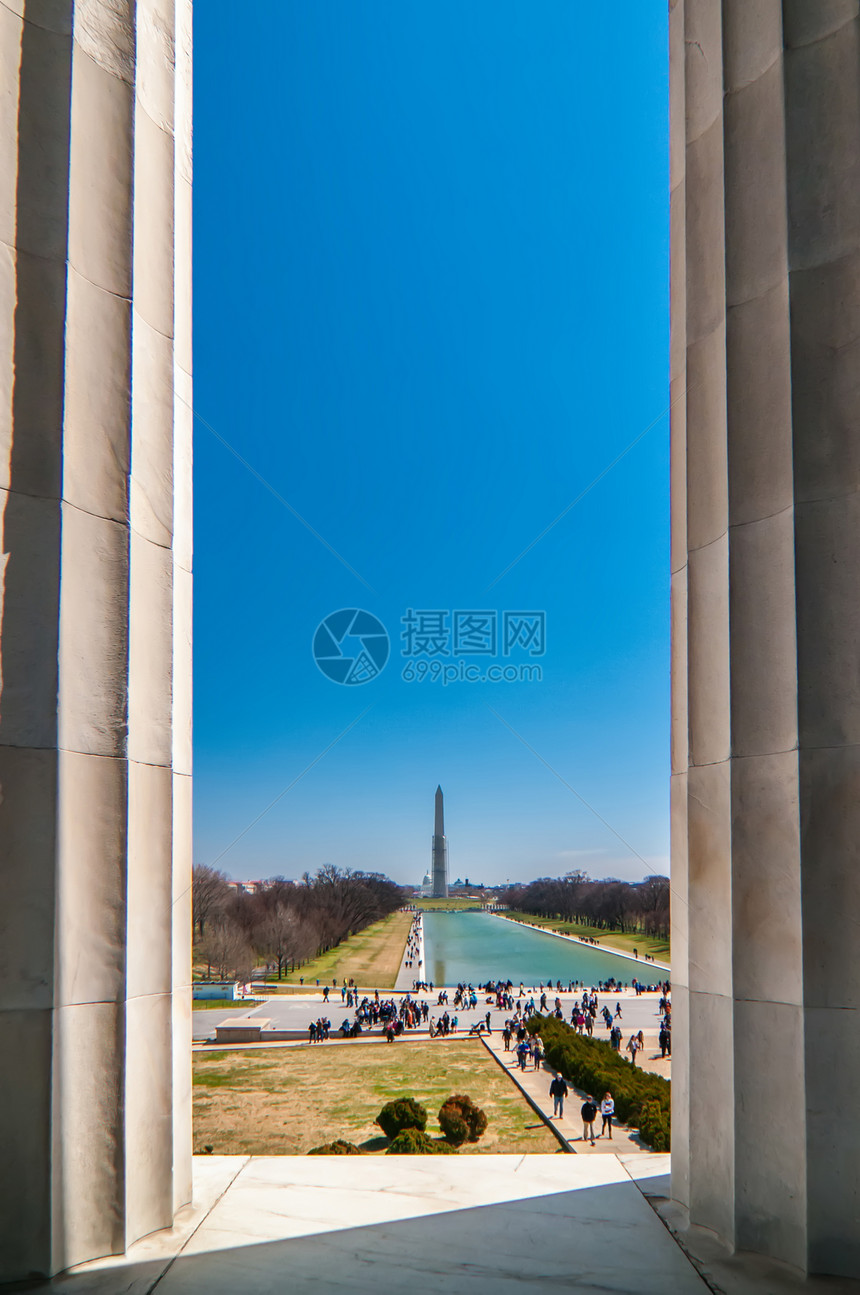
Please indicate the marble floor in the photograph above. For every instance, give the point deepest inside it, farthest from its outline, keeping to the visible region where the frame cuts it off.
(413, 1224)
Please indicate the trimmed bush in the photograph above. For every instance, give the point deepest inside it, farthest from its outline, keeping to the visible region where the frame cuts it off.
(415, 1142)
(402, 1113)
(654, 1126)
(338, 1148)
(642, 1100)
(461, 1120)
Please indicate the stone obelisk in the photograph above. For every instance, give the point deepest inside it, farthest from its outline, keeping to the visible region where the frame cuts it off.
(440, 851)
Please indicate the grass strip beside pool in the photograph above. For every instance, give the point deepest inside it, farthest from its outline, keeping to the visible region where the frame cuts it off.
(283, 1101)
(372, 958)
(624, 942)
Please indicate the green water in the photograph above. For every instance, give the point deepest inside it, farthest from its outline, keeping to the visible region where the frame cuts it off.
(476, 947)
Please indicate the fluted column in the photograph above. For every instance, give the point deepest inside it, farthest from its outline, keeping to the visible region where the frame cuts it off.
(94, 628)
(766, 864)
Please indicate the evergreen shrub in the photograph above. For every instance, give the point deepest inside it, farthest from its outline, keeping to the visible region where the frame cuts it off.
(461, 1120)
(642, 1099)
(338, 1148)
(399, 1114)
(415, 1142)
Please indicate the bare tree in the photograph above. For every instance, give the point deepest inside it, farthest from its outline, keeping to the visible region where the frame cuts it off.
(280, 935)
(226, 949)
(210, 895)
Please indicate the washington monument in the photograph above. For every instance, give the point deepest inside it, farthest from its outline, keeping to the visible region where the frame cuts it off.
(439, 869)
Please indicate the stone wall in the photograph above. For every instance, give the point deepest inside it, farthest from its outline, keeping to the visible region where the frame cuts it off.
(95, 625)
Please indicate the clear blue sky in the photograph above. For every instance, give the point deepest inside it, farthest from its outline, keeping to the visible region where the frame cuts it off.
(430, 309)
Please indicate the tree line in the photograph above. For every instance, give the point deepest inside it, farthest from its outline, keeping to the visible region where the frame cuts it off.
(284, 923)
(612, 905)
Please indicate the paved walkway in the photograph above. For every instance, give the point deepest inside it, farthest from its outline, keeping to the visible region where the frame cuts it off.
(294, 1012)
(535, 1084)
(407, 976)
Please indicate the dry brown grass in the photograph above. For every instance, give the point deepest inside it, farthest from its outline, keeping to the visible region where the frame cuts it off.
(372, 958)
(283, 1101)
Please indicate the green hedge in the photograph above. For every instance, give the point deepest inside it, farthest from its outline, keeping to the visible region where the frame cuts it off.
(642, 1099)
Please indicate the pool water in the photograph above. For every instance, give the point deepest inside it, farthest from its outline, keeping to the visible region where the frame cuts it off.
(477, 947)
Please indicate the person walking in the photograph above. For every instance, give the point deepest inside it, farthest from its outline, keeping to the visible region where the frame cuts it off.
(588, 1111)
(558, 1092)
(537, 1053)
(633, 1048)
(607, 1110)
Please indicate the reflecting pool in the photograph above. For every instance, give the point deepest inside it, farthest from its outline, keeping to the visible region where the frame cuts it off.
(477, 947)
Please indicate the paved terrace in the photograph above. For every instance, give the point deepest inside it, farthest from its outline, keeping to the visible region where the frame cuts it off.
(471, 1225)
(292, 1014)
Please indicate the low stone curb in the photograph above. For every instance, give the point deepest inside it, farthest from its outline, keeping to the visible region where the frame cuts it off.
(566, 1146)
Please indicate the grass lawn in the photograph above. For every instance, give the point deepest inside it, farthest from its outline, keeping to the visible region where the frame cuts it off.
(372, 958)
(286, 1100)
(656, 945)
(447, 905)
(223, 1004)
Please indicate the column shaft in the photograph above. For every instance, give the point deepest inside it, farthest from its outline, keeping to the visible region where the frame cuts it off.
(94, 856)
(766, 865)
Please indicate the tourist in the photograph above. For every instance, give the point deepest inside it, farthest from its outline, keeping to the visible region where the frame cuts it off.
(588, 1111)
(607, 1110)
(558, 1092)
(665, 1045)
(633, 1048)
(523, 1051)
(506, 1035)
(537, 1053)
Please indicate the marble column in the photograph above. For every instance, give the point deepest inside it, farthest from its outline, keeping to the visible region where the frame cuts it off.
(765, 126)
(95, 626)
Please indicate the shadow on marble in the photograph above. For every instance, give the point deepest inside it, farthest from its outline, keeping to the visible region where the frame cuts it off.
(534, 1223)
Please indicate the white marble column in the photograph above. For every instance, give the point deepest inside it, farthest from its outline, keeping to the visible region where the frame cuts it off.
(95, 761)
(766, 295)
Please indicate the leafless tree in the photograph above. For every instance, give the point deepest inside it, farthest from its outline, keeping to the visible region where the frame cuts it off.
(210, 896)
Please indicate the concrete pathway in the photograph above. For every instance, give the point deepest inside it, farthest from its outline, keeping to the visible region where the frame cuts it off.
(535, 1085)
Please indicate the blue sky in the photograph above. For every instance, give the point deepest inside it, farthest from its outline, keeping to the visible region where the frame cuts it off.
(430, 309)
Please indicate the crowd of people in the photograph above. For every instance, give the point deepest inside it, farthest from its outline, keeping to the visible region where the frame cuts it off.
(411, 1013)
(412, 954)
